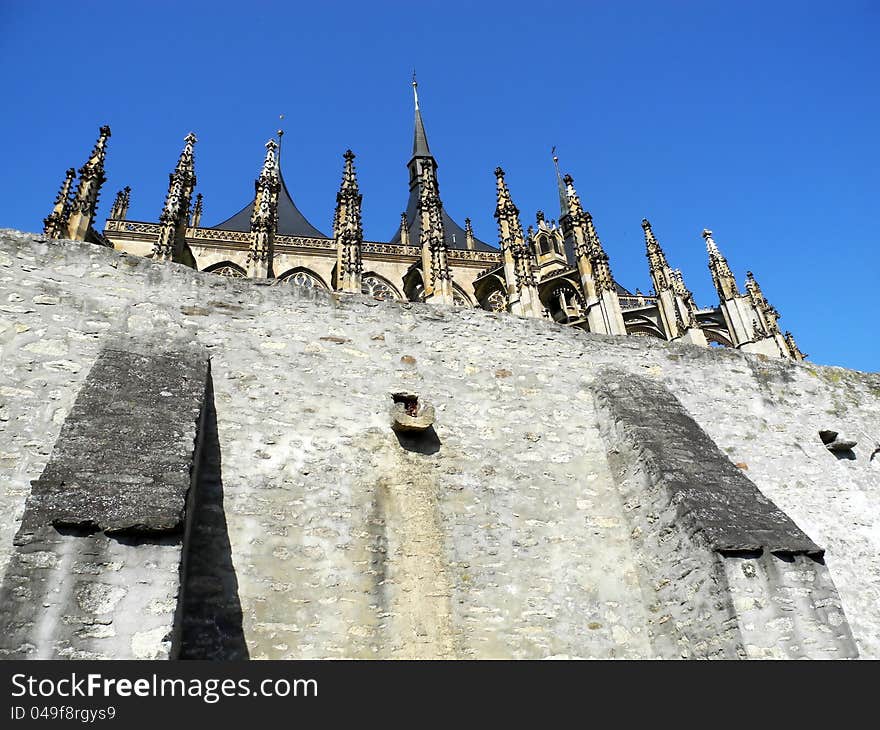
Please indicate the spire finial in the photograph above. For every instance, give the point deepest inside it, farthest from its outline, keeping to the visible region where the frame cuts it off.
(279, 134)
(420, 140)
(563, 199)
(722, 276)
(711, 247)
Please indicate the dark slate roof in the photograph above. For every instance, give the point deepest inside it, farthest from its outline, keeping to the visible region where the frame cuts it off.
(453, 233)
(290, 221)
(420, 140)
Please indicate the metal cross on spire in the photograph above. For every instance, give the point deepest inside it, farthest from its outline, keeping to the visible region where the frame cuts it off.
(280, 134)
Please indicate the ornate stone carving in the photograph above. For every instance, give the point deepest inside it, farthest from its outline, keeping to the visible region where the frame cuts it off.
(174, 217)
(264, 219)
(348, 229)
(120, 205)
(85, 201)
(55, 224)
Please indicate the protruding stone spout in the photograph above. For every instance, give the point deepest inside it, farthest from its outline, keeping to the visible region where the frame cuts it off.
(408, 416)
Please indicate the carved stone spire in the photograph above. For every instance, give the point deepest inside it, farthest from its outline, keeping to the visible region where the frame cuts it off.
(722, 276)
(793, 349)
(348, 230)
(657, 263)
(173, 219)
(675, 303)
(91, 177)
(587, 243)
(55, 224)
(597, 284)
(468, 234)
(404, 230)
(769, 315)
(519, 274)
(437, 277)
(750, 320)
(681, 291)
(120, 205)
(598, 257)
(264, 219)
(573, 207)
(197, 212)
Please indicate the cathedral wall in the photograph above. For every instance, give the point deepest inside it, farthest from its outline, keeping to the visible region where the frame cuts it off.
(506, 534)
(132, 246)
(206, 256)
(320, 263)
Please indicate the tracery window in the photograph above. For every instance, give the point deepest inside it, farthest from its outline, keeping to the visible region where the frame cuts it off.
(459, 299)
(302, 278)
(228, 270)
(374, 286)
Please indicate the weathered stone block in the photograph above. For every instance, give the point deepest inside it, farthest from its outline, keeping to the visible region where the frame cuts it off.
(124, 458)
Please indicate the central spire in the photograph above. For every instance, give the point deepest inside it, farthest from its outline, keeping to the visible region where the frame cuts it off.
(563, 198)
(420, 139)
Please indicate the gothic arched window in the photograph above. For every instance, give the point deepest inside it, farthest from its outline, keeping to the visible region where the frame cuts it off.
(230, 270)
(301, 278)
(459, 299)
(375, 287)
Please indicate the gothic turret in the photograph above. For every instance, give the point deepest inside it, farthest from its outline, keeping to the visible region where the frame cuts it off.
(171, 243)
(600, 294)
(120, 205)
(55, 224)
(674, 302)
(264, 218)
(85, 201)
(519, 275)
(348, 230)
(548, 246)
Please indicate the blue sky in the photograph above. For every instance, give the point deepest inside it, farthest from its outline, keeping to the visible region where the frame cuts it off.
(758, 120)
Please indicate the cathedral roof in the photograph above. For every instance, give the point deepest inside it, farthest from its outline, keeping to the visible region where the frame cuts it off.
(420, 139)
(453, 233)
(290, 221)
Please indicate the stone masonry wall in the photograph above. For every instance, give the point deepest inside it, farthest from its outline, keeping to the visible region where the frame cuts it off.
(324, 535)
